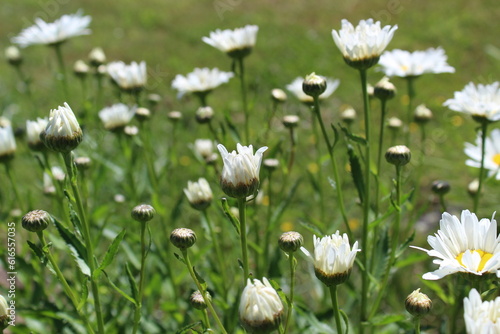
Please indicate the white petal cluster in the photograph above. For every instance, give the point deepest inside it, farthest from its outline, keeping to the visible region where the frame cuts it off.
(131, 77)
(466, 245)
(481, 101)
(34, 129)
(333, 256)
(260, 306)
(4, 307)
(481, 317)
(60, 30)
(233, 40)
(117, 116)
(62, 122)
(296, 89)
(402, 63)
(199, 194)
(491, 153)
(204, 147)
(365, 41)
(7, 141)
(201, 80)
(240, 173)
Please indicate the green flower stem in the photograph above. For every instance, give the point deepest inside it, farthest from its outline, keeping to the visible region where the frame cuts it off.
(340, 196)
(67, 289)
(267, 235)
(68, 160)
(10, 175)
(379, 155)
(484, 128)
(292, 263)
(144, 253)
(366, 203)
(336, 310)
(202, 291)
(442, 203)
(394, 245)
(411, 96)
(270, 119)
(320, 170)
(242, 202)
(291, 158)
(416, 320)
(244, 99)
(218, 252)
(127, 153)
(62, 69)
(213, 131)
(148, 153)
(98, 95)
(25, 81)
(206, 321)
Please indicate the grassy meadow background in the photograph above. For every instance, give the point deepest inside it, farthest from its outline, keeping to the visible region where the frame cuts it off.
(294, 39)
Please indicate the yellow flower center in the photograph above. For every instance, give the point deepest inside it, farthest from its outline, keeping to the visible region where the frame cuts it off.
(484, 258)
(404, 68)
(496, 159)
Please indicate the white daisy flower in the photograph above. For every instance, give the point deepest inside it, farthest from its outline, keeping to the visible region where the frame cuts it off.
(491, 154)
(260, 307)
(129, 78)
(362, 45)
(56, 32)
(240, 174)
(7, 143)
(204, 147)
(296, 89)
(237, 43)
(466, 245)
(117, 116)
(481, 101)
(199, 194)
(402, 63)
(333, 258)
(481, 317)
(33, 131)
(200, 81)
(63, 133)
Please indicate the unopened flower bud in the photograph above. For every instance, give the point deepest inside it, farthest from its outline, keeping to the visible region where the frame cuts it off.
(101, 70)
(271, 164)
(131, 130)
(80, 69)
(97, 57)
(290, 121)
(314, 85)
(83, 163)
(196, 300)
(13, 55)
(154, 99)
(418, 304)
(278, 95)
(440, 187)
(182, 238)
(119, 198)
(422, 114)
(348, 115)
(370, 90)
(398, 155)
(174, 116)
(384, 89)
(394, 123)
(7, 144)
(473, 187)
(36, 220)
(204, 114)
(142, 114)
(290, 242)
(63, 133)
(143, 213)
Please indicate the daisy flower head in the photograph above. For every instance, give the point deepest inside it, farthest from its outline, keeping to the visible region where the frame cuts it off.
(260, 307)
(7, 144)
(491, 154)
(237, 43)
(362, 45)
(333, 258)
(465, 245)
(199, 194)
(130, 78)
(481, 317)
(117, 116)
(201, 81)
(402, 63)
(33, 130)
(240, 174)
(295, 87)
(54, 33)
(482, 102)
(63, 133)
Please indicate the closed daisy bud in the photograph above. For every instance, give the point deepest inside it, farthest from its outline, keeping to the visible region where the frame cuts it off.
(240, 174)
(143, 213)
(131, 130)
(422, 114)
(7, 144)
(33, 131)
(348, 115)
(278, 95)
(260, 307)
(142, 114)
(290, 121)
(13, 56)
(418, 304)
(290, 242)
(63, 133)
(394, 123)
(36, 220)
(271, 164)
(333, 258)
(384, 89)
(154, 99)
(183, 238)
(204, 114)
(473, 187)
(199, 194)
(80, 69)
(4, 313)
(398, 155)
(196, 300)
(174, 116)
(97, 57)
(83, 163)
(440, 187)
(314, 85)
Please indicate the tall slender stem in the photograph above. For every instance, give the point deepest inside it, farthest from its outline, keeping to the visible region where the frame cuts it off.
(62, 69)
(320, 170)
(366, 203)
(416, 320)
(336, 310)
(243, 237)
(138, 308)
(267, 230)
(379, 155)
(291, 261)
(68, 160)
(484, 128)
(202, 290)
(244, 99)
(19, 202)
(218, 252)
(411, 95)
(148, 153)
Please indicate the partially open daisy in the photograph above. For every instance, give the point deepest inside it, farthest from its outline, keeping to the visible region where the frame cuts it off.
(491, 154)
(467, 245)
(481, 317)
(237, 43)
